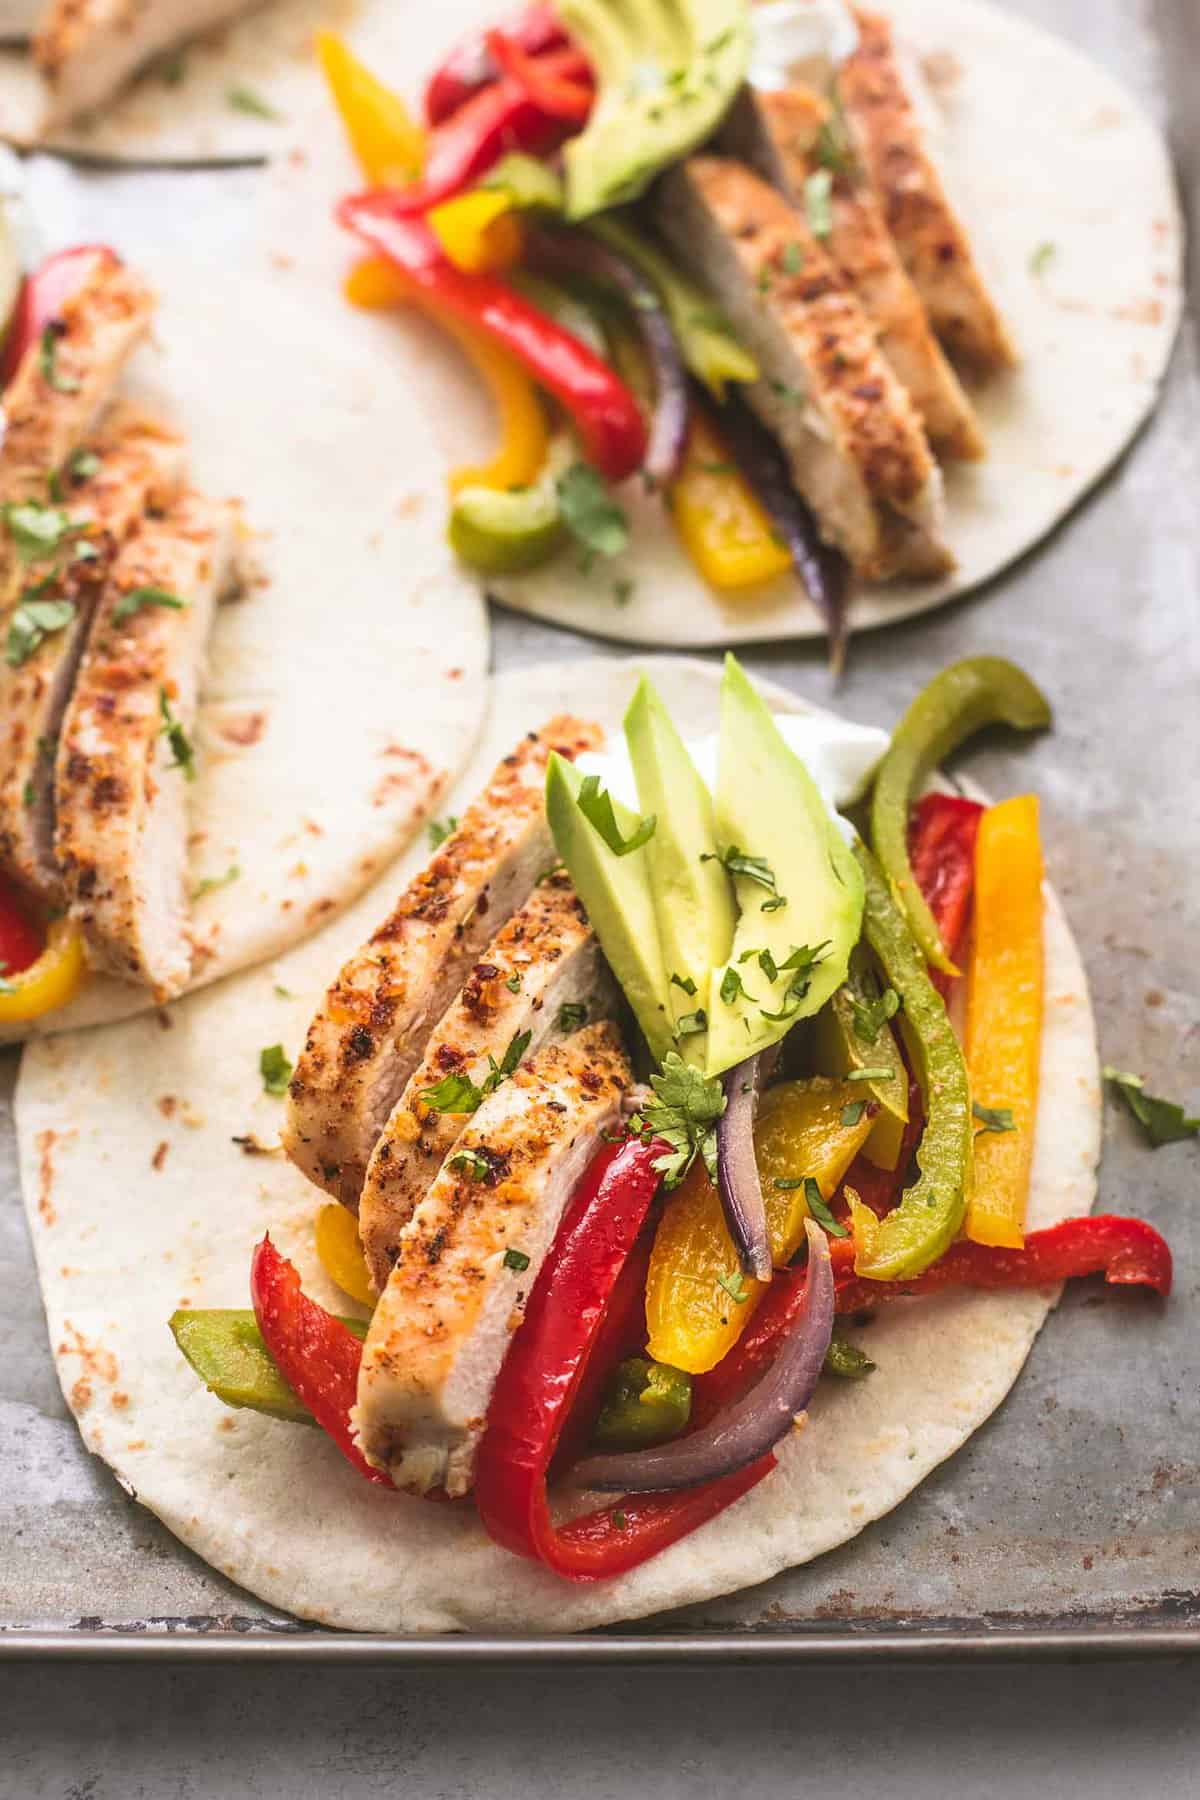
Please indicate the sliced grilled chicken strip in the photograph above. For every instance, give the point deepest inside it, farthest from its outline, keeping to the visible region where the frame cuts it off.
(470, 1254)
(86, 50)
(782, 133)
(124, 762)
(137, 465)
(927, 231)
(543, 974)
(53, 402)
(855, 445)
(371, 1029)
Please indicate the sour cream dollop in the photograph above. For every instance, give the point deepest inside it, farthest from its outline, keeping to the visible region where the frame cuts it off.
(791, 36)
(839, 755)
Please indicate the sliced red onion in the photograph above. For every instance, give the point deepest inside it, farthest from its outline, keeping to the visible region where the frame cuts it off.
(822, 569)
(737, 1168)
(743, 1432)
(567, 253)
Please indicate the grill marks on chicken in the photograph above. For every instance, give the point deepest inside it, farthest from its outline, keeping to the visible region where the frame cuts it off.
(783, 133)
(543, 974)
(371, 1030)
(470, 1254)
(125, 753)
(853, 439)
(927, 231)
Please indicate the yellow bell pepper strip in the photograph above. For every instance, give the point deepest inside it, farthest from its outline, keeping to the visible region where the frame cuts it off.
(720, 523)
(45, 985)
(387, 141)
(983, 690)
(524, 439)
(1004, 1018)
(698, 1302)
(340, 1250)
(480, 231)
(929, 1215)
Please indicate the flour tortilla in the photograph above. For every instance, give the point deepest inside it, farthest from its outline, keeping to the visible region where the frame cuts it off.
(1041, 147)
(347, 687)
(120, 1244)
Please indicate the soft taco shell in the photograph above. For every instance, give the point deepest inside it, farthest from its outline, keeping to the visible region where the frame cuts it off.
(345, 690)
(1066, 188)
(126, 1231)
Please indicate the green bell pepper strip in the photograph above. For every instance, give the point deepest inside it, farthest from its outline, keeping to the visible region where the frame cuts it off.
(983, 690)
(645, 1403)
(706, 341)
(226, 1349)
(931, 1211)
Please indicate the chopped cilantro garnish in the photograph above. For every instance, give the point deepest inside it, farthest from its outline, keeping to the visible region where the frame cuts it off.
(686, 1108)
(1042, 257)
(753, 868)
(571, 1015)
(852, 1112)
(138, 597)
(819, 1211)
(516, 1259)
(1163, 1121)
(48, 360)
(183, 755)
(792, 260)
(471, 1163)
(513, 984)
(589, 511)
(734, 1286)
(82, 465)
(441, 829)
(212, 882)
(245, 100)
(685, 982)
(870, 1075)
(732, 988)
(33, 621)
(459, 1094)
(275, 1069)
(37, 531)
(871, 1015)
(689, 1024)
(595, 803)
(993, 1118)
(818, 202)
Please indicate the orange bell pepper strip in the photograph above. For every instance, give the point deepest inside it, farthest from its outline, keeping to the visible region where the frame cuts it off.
(524, 438)
(718, 519)
(47, 983)
(340, 1249)
(480, 231)
(388, 143)
(698, 1302)
(1004, 1017)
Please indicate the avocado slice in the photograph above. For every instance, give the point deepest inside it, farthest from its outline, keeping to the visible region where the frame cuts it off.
(798, 886)
(691, 892)
(616, 893)
(504, 533)
(667, 72)
(226, 1349)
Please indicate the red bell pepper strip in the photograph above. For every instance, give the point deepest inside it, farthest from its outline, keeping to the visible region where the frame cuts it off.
(622, 1333)
(941, 849)
(498, 119)
(603, 408)
(43, 296)
(559, 95)
(21, 943)
(541, 1376)
(470, 66)
(1125, 1251)
(317, 1356)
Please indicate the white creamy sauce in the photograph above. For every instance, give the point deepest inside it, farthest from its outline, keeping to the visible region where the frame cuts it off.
(839, 755)
(792, 35)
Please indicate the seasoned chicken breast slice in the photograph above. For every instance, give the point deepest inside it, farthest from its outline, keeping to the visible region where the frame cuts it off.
(54, 401)
(372, 1027)
(928, 233)
(470, 1254)
(125, 758)
(86, 50)
(855, 445)
(542, 975)
(134, 465)
(787, 134)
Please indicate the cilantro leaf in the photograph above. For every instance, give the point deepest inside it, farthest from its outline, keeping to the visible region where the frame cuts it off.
(245, 100)
(476, 1166)
(818, 202)
(754, 868)
(453, 1094)
(513, 984)
(686, 1108)
(734, 1286)
(37, 531)
(34, 620)
(792, 260)
(689, 1024)
(211, 883)
(993, 1118)
(516, 1259)
(82, 465)
(819, 1211)
(870, 1015)
(589, 511)
(139, 597)
(1042, 257)
(852, 1112)
(595, 803)
(1163, 1121)
(183, 756)
(48, 360)
(441, 829)
(685, 982)
(571, 1015)
(275, 1069)
(846, 1359)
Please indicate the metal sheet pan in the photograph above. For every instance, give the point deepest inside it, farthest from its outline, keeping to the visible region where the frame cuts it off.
(1068, 1526)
